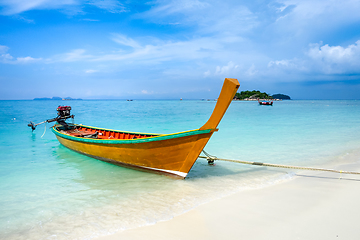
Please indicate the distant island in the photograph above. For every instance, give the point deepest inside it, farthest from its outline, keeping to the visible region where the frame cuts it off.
(281, 96)
(254, 95)
(57, 98)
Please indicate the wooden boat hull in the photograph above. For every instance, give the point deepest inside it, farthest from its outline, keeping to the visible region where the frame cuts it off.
(172, 155)
(168, 154)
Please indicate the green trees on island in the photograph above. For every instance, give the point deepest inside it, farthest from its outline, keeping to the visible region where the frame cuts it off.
(281, 96)
(252, 94)
(257, 94)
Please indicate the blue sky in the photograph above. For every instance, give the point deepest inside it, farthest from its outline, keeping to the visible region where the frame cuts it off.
(178, 49)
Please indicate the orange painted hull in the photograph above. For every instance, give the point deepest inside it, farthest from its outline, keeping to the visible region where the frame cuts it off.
(174, 156)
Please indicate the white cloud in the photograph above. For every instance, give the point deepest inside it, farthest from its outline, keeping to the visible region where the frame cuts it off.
(112, 6)
(312, 17)
(226, 70)
(17, 6)
(27, 59)
(336, 59)
(279, 63)
(123, 40)
(207, 73)
(211, 16)
(74, 55)
(3, 49)
(155, 51)
(292, 64)
(146, 92)
(91, 71)
(324, 59)
(162, 51)
(164, 8)
(12, 7)
(336, 54)
(251, 71)
(310, 9)
(91, 20)
(239, 17)
(7, 58)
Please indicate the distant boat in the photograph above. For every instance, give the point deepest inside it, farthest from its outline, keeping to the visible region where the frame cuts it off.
(168, 154)
(265, 102)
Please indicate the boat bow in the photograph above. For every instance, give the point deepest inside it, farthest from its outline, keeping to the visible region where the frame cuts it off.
(228, 91)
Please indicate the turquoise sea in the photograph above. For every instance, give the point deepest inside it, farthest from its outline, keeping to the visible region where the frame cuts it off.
(50, 192)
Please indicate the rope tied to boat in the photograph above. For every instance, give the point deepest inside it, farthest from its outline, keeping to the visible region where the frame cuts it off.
(211, 159)
(44, 131)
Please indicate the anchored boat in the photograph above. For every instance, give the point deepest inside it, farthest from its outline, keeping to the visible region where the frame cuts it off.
(265, 102)
(168, 154)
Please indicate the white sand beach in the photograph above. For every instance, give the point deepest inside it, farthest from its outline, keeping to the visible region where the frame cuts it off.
(313, 205)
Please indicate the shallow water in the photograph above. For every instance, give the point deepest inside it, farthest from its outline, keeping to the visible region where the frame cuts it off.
(51, 192)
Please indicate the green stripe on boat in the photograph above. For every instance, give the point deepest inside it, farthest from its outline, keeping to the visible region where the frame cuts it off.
(131, 141)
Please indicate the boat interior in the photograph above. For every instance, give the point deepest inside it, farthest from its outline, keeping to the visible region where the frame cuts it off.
(88, 132)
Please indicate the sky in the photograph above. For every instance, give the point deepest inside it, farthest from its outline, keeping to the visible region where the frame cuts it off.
(171, 49)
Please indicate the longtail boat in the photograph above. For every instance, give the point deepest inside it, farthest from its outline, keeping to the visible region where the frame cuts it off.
(269, 103)
(168, 154)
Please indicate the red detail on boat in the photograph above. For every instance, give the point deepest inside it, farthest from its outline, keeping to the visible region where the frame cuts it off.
(63, 108)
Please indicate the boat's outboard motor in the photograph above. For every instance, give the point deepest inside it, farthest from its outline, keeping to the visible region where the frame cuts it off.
(64, 111)
(63, 114)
